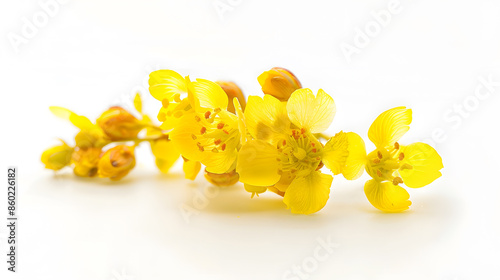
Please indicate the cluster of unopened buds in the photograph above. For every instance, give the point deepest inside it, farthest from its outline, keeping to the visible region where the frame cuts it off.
(272, 143)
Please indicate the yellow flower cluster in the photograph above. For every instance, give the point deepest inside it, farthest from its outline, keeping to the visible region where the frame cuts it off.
(272, 143)
(101, 148)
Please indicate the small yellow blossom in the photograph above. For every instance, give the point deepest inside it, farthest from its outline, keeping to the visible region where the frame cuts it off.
(85, 161)
(279, 82)
(210, 134)
(392, 164)
(116, 162)
(285, 156)
(119, 124)
(57, 157)
(175, 94)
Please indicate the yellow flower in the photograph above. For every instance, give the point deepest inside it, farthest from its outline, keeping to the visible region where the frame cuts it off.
(117, 162)
(284, 154)
(392, 164)
(174, 91)
(279, 82)
(85, 161)
(210, 134)
(57, 157)
(119, 124)
(90, 135)
(232, 91)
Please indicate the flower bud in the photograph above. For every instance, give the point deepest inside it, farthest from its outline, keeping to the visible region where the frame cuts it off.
(232, 91)
(119, 124)
(86, 161)
(91, 139)
(279, 83)
(57, 157)
(224, 179)
(117, 162)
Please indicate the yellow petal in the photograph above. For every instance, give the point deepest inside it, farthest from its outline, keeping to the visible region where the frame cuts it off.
(241, 121)
(221, 162)
(191, 169)
(165, 153)
(257, 164)
(309, 194)
(164, 84)
(386, 196)
(356, 160)
(79, 121)
(138, 103)
(182, 137)
(310, 112)
(208, 94)
(335, 152)
(390, 126)
(425, 162)
(266, 117)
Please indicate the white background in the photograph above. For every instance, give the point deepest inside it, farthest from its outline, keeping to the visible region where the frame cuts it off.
(88, 55)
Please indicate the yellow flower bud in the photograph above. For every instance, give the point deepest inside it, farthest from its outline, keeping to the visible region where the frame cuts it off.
(57, 157)
(119, 124)
(91, 139)
(224, 179)
(279, 83)
(86, 160)
(232, 91)
(117, 162)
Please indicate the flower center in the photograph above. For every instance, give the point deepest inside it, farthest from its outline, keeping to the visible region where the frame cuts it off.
(299, 153)
(218, 131)
(383, 164)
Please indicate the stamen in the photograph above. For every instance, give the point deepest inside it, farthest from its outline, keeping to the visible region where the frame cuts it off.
(203, 130)
(379, 154)
(226, 132)
(220, 125)
(284, 142)
(200, 147)
(376, 161)
(193, 136)
(217, 141)
(313, 144)
(397, 181)
(197, 118)
(165, 103)
(302, 130)
(379, 173)
(401, 156)
(207, 114)
(314, 150)
(223, 147)
(396, 145)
